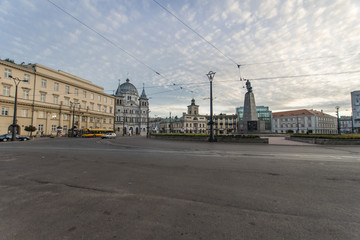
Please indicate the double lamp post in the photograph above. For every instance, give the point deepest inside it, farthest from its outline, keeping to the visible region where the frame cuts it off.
(14, 125)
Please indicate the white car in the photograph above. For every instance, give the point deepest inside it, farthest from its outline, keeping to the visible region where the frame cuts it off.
(109, 135)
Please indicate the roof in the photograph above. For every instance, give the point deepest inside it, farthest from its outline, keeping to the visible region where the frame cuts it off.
(300, 112)
(126, 87)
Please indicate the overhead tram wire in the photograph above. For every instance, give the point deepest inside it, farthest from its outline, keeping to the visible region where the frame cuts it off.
(107, 39)
(198, 34)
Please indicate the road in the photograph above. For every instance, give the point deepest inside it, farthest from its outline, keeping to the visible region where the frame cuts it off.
(138, 188)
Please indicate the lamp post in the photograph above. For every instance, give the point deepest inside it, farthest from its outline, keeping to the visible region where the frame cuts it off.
(338, 120)
(73, 118)
(147, 125)
(14, 126)
(211, 75)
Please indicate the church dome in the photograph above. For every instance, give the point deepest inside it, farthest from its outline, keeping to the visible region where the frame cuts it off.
(126, 88)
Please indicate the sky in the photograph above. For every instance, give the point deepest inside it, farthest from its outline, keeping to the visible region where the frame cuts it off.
(297, 54)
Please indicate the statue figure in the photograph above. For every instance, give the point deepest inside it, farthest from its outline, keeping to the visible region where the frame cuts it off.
(248, 86)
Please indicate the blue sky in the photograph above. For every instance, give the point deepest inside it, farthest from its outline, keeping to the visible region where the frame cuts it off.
(316, 43)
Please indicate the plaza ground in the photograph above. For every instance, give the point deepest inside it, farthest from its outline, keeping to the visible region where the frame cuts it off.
(139, 188)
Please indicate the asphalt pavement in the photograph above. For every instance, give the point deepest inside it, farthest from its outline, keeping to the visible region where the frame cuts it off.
(139, 188)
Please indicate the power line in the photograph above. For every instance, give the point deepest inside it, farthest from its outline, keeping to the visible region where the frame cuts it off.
(198, 34)
(106, 39)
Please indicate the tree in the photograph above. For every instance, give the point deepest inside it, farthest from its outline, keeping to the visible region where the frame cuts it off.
(30, 128)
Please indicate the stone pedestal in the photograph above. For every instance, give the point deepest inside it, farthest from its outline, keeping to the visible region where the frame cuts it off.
(250, 123)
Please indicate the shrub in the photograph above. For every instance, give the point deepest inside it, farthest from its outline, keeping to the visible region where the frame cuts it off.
(328, 136)
(30, 128)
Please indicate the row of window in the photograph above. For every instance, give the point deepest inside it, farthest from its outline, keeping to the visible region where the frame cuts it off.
(6, 90)
(54, 116)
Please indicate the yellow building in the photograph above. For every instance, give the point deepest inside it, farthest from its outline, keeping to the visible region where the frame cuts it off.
(52, 101)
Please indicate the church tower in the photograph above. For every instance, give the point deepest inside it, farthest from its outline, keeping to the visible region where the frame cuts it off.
(193, 109)
(144, 112)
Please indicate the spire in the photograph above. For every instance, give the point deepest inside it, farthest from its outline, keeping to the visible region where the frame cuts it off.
(143, 95)
(117, 93)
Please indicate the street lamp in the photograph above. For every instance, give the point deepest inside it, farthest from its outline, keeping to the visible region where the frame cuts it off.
(211, 75)
(338, 120)
(14, 126)
(73, 119)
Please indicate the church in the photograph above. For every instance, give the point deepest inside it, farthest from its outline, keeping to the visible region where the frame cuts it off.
(131, 111)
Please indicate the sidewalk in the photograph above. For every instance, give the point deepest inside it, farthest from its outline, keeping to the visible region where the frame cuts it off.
(283, 141)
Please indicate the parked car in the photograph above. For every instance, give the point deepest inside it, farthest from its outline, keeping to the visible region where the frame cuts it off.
(8, 137)
(109, 135)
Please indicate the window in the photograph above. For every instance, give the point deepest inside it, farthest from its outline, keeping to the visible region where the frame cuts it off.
(91, 106)
(7, 73)
(25, 112)
(66, 116)
(129, 98)
(83, 118)
(99, 107)
(110, 109)
(42, 97)
(104, 120)
(41, 127)
(53, 128)
(105, 100)
(84, 94)
(41, 114)
(4, 111)
(6, 91)
(67, 102)
(67, 89)
(105, 109)
(99, 98)
(56, 99)
(83, 105)
(76, 92)
(43, 83)
(110, 120)
(111, 101)
(92, 96)
(65, 128)
(91, 119)
(27, 78)
(54, 116)
(26, 94)
(56, 87)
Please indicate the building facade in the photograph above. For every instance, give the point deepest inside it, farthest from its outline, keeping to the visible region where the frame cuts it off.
(52, 101)
(132, 111)
(346, 124)
(263, 112)
(304, 121)
(190, 122)
(355, 105)
(224, 124)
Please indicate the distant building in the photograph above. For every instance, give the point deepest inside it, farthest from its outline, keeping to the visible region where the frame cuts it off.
(131, 111)
(190, 122)
(224, 124)
(51, 100)
(263, 112)
(346, 125)
(304, 121)
(355, 105)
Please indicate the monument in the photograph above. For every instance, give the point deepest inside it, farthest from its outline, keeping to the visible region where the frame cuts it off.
(250, 122)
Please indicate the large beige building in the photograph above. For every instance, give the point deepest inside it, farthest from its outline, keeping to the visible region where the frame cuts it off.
(51, 100)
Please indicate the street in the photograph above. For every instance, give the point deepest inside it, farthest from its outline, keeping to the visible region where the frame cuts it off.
(139, 188)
